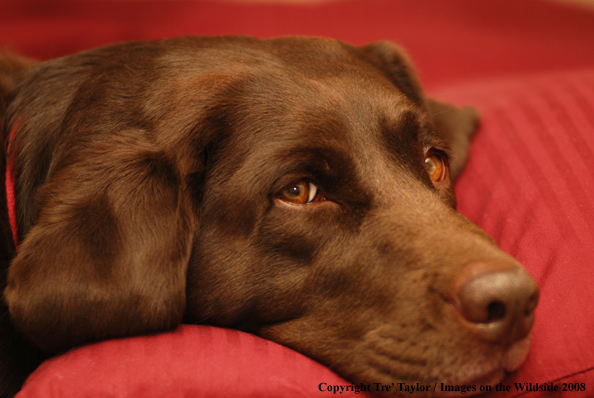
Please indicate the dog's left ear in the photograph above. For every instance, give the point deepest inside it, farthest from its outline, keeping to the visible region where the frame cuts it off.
(393, 61)
(456, 125)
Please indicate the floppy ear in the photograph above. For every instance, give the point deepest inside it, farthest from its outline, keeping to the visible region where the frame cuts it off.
(457, 125)
(393, 61)
(108, 253)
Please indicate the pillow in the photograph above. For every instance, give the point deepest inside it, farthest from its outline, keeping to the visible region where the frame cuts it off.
(193, 361)
(529, 183)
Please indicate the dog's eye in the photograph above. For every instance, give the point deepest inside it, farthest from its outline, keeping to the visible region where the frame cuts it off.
(301, 193)
(436, 166)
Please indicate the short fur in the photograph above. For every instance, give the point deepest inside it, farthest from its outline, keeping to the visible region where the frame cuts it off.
(149, 179)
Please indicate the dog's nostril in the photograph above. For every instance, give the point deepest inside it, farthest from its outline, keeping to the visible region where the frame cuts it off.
(495, 311)
(498, 304)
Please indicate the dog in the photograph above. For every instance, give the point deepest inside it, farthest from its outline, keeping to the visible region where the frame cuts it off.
(297, 188)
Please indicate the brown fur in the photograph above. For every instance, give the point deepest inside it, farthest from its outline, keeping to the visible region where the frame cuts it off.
(148, 181)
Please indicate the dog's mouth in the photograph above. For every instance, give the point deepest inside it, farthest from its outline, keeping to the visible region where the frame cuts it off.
(484, 378)
(516, 354)
(475, 370)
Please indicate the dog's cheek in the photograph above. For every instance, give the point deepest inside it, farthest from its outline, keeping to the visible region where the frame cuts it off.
(291, 244)
(372, 331)
(379, 307)
(256, 274)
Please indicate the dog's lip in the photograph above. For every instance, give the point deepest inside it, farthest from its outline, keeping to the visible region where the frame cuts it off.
(488, 369)
(512, 359)
(516, 354)
(491, 378)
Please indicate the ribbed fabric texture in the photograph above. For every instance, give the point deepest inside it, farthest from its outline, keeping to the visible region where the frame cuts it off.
(193, 361)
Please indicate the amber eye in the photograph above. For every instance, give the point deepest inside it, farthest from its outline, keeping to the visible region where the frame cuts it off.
(435, 165)
(300, 193)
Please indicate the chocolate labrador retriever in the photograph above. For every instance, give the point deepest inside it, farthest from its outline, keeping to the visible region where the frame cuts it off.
(297, 188)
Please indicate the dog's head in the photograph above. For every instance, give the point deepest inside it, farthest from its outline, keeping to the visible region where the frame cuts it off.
(298, 188)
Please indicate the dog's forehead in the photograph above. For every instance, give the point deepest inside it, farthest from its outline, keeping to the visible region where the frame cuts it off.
(300, 79)
(327, 89)
(284, 107)
(298, 58)
(343, 127)
(274, 97)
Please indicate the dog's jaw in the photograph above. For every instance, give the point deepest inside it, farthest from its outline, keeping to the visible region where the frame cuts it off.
(492, 372)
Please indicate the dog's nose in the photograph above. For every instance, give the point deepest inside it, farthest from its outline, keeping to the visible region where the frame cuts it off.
(497, 302)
